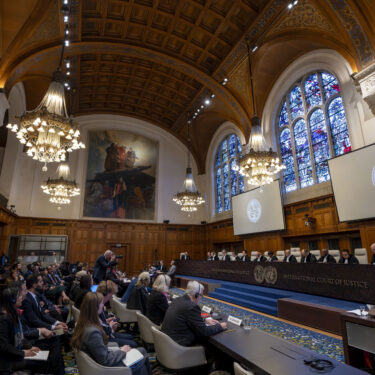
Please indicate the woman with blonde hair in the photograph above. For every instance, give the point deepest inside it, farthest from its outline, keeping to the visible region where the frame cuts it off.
(90, 337)
(157, 303)
(139, 295)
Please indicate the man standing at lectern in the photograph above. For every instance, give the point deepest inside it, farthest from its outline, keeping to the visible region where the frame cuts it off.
(102, 264)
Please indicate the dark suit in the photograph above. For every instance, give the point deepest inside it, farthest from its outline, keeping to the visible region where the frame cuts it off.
(138, 299)
(226, 258)
(292, 259)
(309, 259)
(100, 268)
(216, 257)
(273, 259)
(33, 314)
(330, 259)
(372, 259)
(162, 268)
(352, 260)
(185, 257)
(157, 305)
(184, 324)
(262, 258)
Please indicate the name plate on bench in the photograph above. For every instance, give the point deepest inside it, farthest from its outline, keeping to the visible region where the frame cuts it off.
(234, 320)
(206, 309)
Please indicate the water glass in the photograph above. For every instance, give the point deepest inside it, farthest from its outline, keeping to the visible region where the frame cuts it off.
(246, 324)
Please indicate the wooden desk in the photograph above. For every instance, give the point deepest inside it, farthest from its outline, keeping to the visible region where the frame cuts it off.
(266, 354)
(358, 335)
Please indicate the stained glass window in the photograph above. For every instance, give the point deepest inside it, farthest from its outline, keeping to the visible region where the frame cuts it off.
(312, 129)
(228, 182)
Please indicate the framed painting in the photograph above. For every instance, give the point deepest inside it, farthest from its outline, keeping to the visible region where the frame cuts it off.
(120, 176)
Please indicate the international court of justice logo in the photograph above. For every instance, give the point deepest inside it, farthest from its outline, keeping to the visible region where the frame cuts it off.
(267, 274)
(254, 210)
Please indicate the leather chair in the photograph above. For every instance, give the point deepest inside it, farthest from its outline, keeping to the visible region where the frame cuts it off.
(316, 253)
(75, 313)
(125, 315)
(87, 366)
(239, 370)
(174, 356)
(113, 306)
(252, 255)
(144, 325)
(280, 255)
(361, 254)
(335, 254)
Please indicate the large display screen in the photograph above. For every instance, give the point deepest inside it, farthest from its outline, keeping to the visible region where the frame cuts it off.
(258, 210)
(353, 182)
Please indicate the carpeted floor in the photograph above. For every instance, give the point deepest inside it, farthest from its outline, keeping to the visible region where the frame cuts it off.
(318, 342)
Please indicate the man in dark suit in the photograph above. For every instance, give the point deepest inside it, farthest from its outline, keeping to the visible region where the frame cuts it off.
(214, 256)
(183, 321)
(347, 258)
(185, 256)
(259, 257)
(289, 258)
(102, 265)
(162, 268)
(225, 256)
(326, 257)
(245, 256)
(307, 257)
(272, 257)
(32, 312)
(373, 253)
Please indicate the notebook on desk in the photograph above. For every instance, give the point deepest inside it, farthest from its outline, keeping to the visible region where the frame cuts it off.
(132, 357)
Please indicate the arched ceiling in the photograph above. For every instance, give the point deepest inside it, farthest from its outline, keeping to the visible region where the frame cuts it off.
(158, 59)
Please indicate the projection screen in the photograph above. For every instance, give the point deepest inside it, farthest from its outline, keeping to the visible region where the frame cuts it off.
(258, 211)
(353, 182)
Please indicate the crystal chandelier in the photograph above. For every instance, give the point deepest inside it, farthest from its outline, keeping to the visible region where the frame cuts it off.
(190, 197)
(61, 189)
(258, 162)
(47, 131)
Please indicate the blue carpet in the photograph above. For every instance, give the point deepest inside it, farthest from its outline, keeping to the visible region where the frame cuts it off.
(264, 299)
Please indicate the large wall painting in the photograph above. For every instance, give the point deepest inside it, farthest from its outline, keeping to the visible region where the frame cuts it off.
(121, 176)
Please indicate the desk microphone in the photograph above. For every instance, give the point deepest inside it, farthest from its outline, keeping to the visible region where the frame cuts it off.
(320, 366)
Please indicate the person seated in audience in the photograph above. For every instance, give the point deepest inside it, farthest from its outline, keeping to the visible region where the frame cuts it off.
(3, 260)
(29, 270)
(85, 284)
(32, 312)
(157, 302)
(90, 337)
(326, 257)
(55, 290)
(272, 257)
(139, 295)
(347, 258)
(109, 324)
(373, 254)
(183, 322)
(307, 257)
(289, 258)
(259, 257)
(172, 271)
(15, 348)
(225, 257)
(18, 267)
(13, 276)
(209, 257)
(129, 289)
(162, 268)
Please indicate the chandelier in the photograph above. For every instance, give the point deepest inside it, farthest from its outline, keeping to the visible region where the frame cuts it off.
(61, 189)
(47, 132)
(258, 162)
(189, 198)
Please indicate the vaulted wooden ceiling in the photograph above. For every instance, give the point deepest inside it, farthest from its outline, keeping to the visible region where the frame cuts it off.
(158, 59)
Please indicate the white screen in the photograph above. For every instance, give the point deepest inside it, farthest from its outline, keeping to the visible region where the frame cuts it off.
(353, 182)
(258, 211)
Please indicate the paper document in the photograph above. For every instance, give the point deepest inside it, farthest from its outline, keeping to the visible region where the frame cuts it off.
(132, 357)
(42, 355)
(358, 312)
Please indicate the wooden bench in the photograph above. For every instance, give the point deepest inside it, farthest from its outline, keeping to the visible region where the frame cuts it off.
(181, 282)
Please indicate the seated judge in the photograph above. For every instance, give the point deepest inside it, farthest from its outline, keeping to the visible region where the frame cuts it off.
(259, 257)
(307, 257)
(90, 337)
(214, 256)
(373, 253)
(272, 257)
(185, 256)
(157, 302)
(289, 258)
(225, 257)
(347, 258)
(326, 257)
(139, 295)
(183, 321)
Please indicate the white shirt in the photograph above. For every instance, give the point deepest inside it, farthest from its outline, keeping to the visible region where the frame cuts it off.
(288, 257)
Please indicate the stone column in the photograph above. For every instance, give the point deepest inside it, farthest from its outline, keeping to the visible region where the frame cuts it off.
(365, 81)
(4, 105)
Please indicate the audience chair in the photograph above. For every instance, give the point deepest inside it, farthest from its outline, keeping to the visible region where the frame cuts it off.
(176, 357)
(125, 315)
(296, 252)
(280, 255)
(239, 370)
(144, 325)
(75, 313)
(361, 255)
(335, 254)
(87, 366)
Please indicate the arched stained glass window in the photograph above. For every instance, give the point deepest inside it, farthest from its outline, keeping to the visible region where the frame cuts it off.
(312, 128)
(227, 182)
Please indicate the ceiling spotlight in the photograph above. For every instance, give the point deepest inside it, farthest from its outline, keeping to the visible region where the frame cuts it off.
(207, 101)
(66, 84)
(290, 5)
(68, 73)
(66, 31)
(66, 2)
(225, 81)
(66, 19)
(254, 48)
(67, 43)
(202, 106)
(189, 121)
(212, 95)
(295, 2)
(67, 63)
